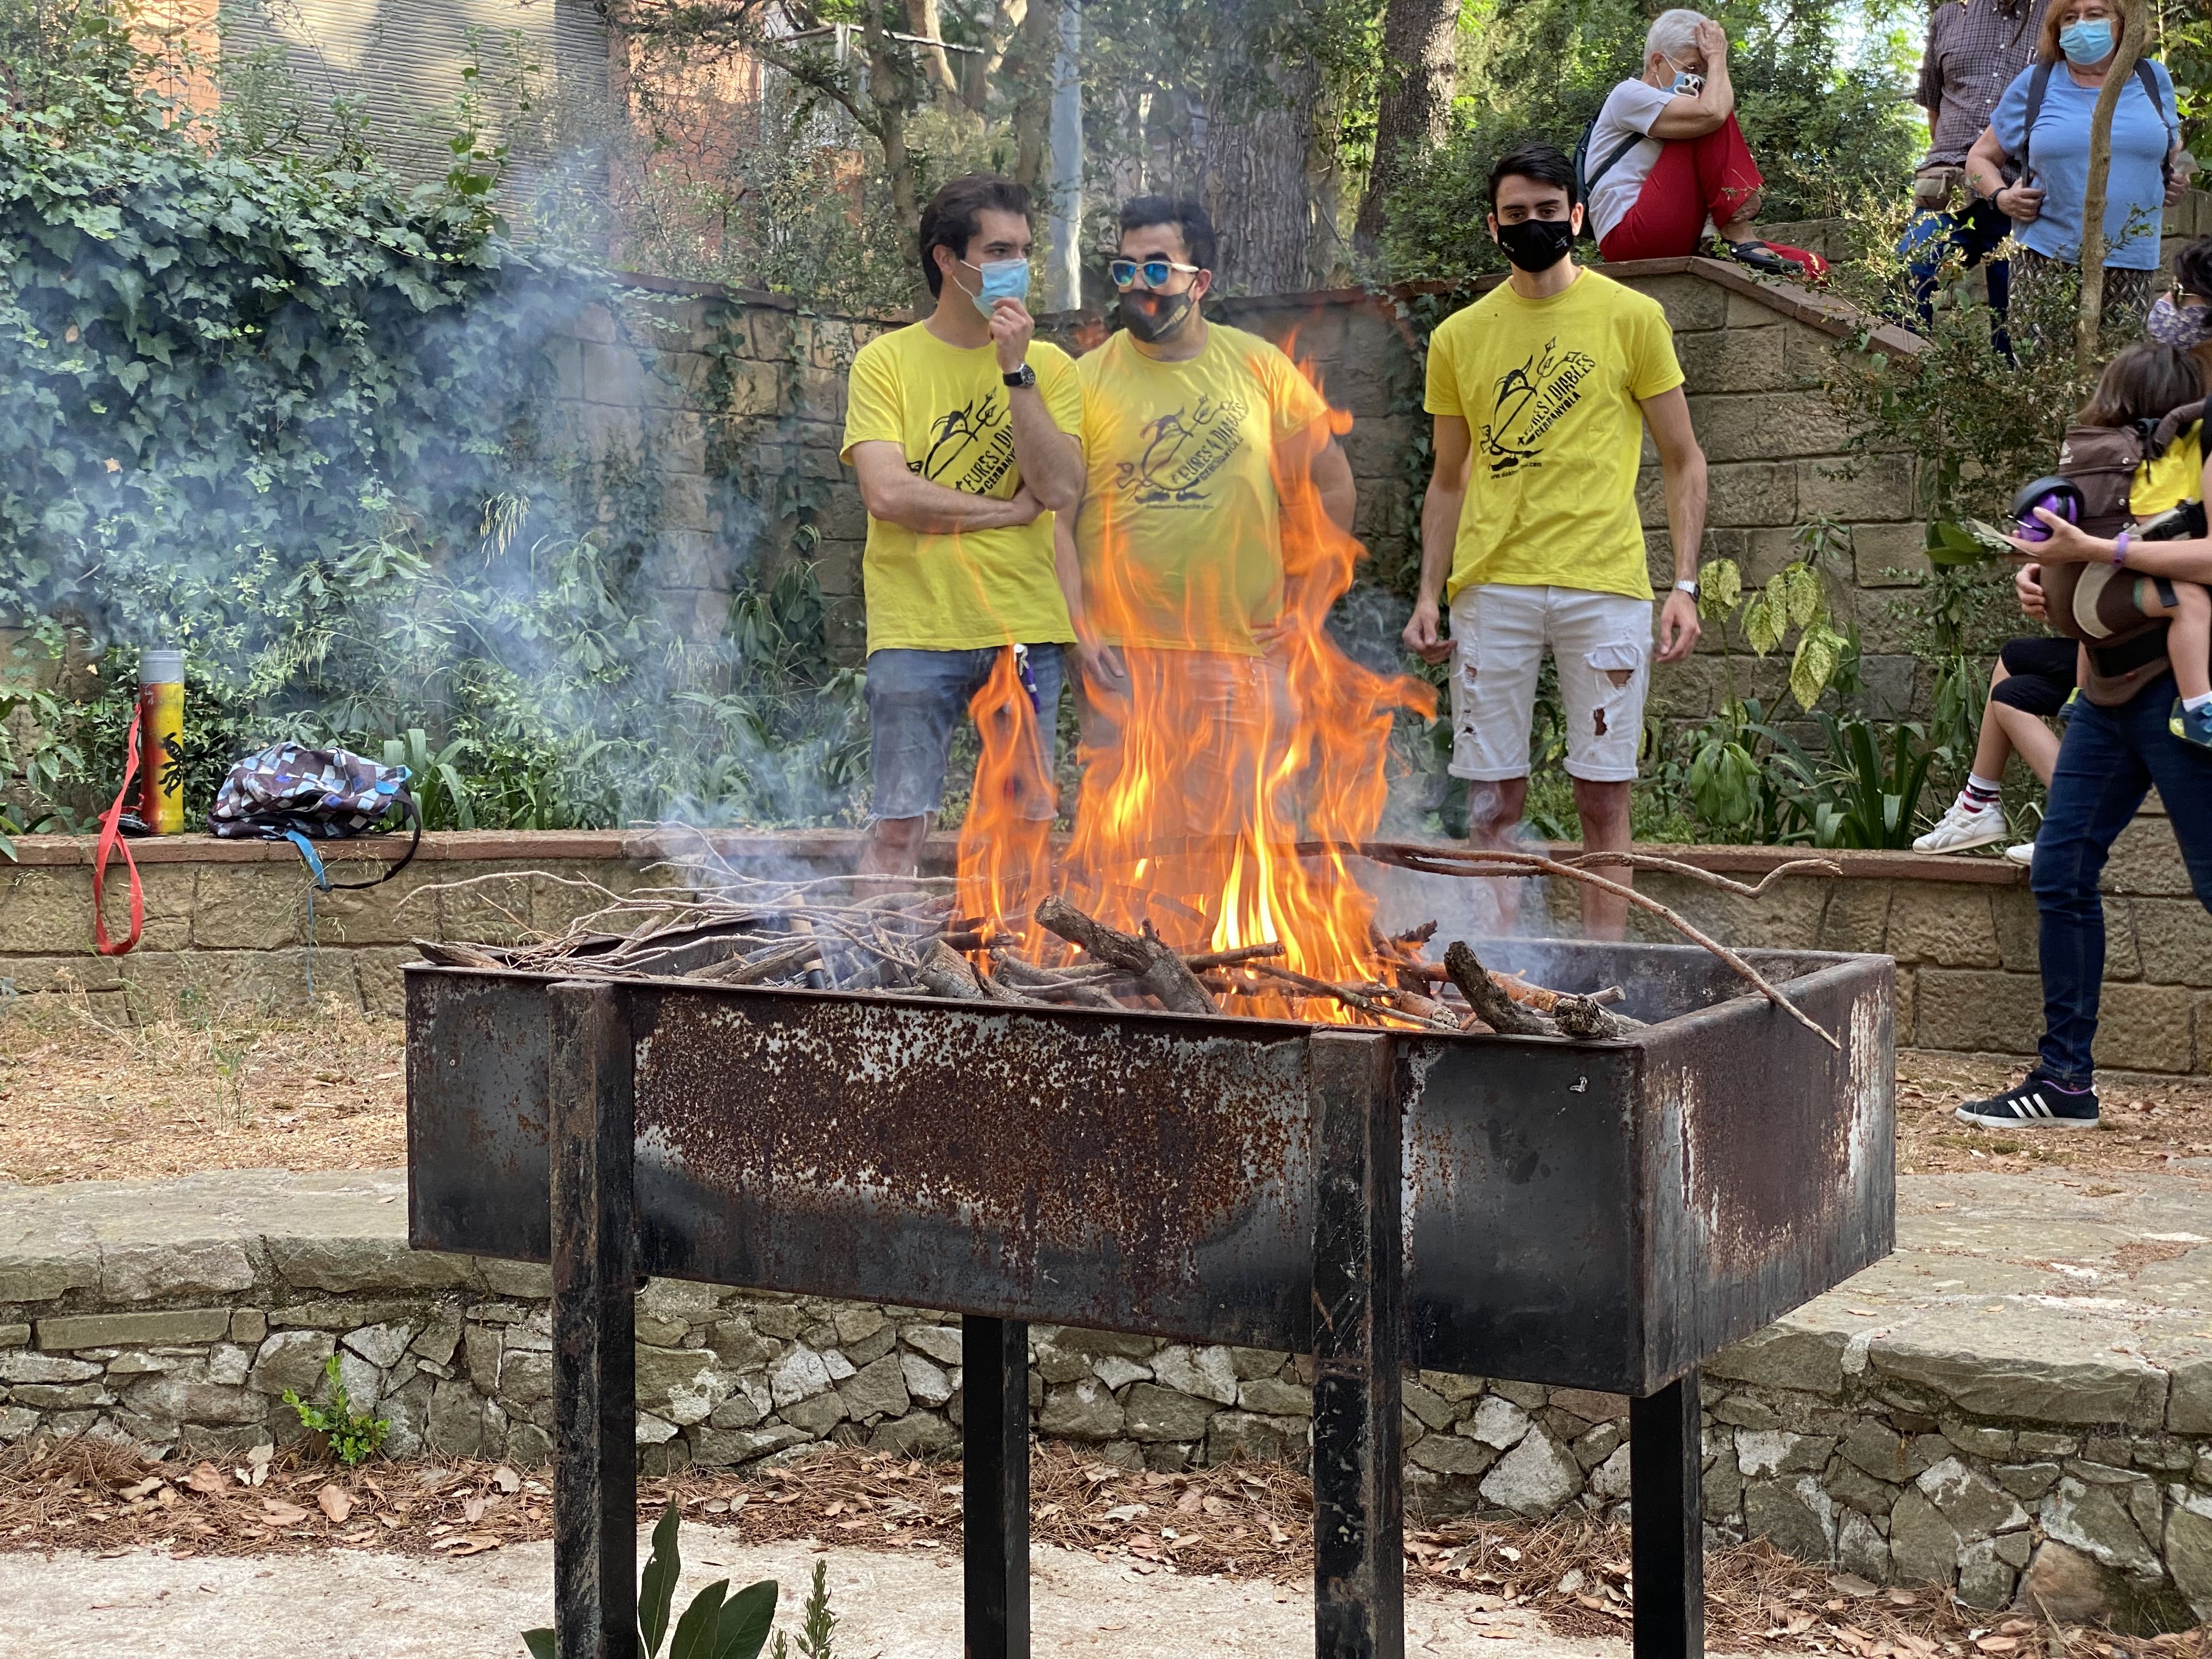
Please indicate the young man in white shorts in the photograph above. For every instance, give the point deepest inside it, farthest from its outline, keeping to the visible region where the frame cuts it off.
(1541, 391)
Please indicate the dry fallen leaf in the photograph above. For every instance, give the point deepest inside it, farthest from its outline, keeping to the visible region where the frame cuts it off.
(208, 1480)
(472, 1509)
(282, 1513)
(334, 1502)
(146, 1488)
(506, 1478)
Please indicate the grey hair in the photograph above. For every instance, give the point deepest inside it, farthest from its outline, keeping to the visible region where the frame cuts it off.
(1675, 33)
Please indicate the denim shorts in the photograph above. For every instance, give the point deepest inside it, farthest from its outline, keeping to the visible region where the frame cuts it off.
(1600, 643)
(917, 699)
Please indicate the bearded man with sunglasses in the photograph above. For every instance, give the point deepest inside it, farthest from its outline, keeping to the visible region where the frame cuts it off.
(1175, 563)
(962, 430)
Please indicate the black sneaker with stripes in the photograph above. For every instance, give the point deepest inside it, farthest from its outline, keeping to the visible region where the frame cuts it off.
(2037, 1104)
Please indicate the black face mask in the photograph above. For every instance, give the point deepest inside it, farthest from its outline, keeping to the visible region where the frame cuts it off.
(1537, 245)
(1149, 316)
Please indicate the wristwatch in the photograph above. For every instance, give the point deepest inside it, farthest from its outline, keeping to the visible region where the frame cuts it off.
(1687, 584)
(1020, 377)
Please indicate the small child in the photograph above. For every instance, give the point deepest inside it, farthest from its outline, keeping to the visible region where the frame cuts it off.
(2113, 440)
(2163, 483)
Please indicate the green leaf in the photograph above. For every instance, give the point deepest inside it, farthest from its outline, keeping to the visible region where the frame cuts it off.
(540, 1644)
(1801, 591)
(656, 1587)
(747, 1618)
(696, 1630)
(1720, 587)
(1818, 652)
(1763, 624)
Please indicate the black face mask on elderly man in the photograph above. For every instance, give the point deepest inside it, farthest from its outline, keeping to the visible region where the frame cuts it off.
(1537, 245)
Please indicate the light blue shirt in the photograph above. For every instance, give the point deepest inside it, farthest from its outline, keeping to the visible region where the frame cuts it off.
(2135, 194)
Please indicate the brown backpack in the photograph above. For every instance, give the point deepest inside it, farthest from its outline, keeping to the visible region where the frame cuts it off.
(2123, 649)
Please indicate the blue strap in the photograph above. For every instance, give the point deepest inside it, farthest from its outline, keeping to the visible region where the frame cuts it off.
(314, 860)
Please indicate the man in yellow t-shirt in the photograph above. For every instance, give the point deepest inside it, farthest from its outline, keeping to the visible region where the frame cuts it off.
(961, 428)
(1174, 560)
(1541, 391)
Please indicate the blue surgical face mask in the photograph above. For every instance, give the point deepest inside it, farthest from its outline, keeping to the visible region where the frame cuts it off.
(2086, 42)
(1003, 279)
(1686, 85)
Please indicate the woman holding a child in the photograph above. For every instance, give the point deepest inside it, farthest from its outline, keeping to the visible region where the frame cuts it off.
(2130, 731)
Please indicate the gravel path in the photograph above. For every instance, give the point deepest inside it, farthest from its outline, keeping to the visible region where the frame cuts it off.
(349, 1605)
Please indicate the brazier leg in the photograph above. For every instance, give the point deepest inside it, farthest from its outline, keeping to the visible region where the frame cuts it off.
(995, 1501)
(594, 1366)
(1666, 1507)
(1359, 1569)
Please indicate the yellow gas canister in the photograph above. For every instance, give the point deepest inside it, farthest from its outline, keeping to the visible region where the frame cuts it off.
(160, 733)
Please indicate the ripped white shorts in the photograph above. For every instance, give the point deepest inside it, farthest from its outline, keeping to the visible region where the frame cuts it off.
(1602, 644)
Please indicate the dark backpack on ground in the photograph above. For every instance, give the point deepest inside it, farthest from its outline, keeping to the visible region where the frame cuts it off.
(2095, 604)
(290, 792)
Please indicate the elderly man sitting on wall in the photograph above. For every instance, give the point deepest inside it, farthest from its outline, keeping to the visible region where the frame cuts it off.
(1667, 160)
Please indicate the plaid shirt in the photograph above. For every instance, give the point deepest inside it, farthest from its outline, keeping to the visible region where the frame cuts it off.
(1976, 48)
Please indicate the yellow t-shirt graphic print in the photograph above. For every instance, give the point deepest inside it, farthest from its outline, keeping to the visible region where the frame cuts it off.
(947, 408)
(1180, 535)
(1551, 391)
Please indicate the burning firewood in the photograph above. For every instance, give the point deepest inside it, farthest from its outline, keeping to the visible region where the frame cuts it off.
(943, 972)
(1157, 968)
(1493, 1005)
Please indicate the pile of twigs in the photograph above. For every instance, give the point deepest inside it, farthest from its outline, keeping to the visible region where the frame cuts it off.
(726, 927)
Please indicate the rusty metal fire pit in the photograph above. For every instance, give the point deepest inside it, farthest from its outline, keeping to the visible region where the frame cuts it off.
(1591, 1215)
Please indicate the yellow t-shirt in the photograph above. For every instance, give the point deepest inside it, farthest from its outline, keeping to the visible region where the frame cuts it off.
(1549, 389)
(946, 407)
(2174, 477)
(1180, 533)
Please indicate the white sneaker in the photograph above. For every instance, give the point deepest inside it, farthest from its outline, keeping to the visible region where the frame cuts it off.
(2023, 854)
(1964, 826)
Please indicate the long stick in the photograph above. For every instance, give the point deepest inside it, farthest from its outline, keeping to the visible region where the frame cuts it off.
(2134, 22)
(1458, 863)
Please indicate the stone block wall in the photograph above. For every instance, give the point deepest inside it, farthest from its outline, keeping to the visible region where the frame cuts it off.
(230, 924)
(735, 402)
(2088, 1483)
(1963, 935)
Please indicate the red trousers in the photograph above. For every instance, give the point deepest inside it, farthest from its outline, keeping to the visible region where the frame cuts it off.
(1693, 180)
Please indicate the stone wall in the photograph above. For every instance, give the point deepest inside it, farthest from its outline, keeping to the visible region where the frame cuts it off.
(1964, 934)
(231, 922)
(160, 1312)
(736, 402)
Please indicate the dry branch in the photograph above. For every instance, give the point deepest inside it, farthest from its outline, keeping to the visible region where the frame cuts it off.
(1491, 1002)
(1446, 862)
(1157, 969)
(943, 972)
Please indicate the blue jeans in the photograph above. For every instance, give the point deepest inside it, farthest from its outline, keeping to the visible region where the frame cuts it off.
(1973, 233)
(916, 698)
(2109, 761)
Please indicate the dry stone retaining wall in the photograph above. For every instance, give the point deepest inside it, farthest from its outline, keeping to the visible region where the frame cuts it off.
(2086, 1481)
(228, 923)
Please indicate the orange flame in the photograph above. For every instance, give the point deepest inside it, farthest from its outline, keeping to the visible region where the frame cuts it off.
(1224, 761)
(1004, 849)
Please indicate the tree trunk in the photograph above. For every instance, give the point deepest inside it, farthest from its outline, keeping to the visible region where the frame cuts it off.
(1255, 184)
(1028, 65)
(1418, 42)
(923, 18)
(2091, 316)
(888, 101)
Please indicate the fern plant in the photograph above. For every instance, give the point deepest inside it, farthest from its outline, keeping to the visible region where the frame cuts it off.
(354, 1436)
(716, 1626)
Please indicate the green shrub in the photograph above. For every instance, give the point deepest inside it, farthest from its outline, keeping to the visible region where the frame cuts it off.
(716, 1626)
(354, 1436)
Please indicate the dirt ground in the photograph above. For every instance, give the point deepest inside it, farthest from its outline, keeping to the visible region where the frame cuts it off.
(452, 1559)
(84, 1100)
